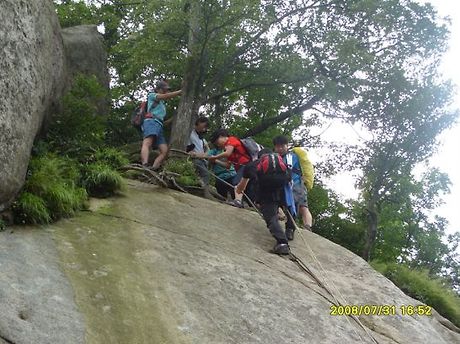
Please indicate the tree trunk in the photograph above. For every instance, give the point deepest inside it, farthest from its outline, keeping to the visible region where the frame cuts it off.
(190, 98)
(183, 121)
(371, 233)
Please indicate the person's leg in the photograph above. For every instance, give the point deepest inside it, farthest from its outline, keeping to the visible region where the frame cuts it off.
(222, 188)
(238, 197)
(230, 188)
(163, 148)
(301, 202)
(250, 192)
(290, 225)
(307, 219)
(201, 168)
(270, 215)
(145, 150)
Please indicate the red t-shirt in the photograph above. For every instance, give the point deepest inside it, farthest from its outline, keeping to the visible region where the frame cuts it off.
(240, 156)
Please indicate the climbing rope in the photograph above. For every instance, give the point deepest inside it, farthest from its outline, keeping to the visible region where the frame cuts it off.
(323, 283)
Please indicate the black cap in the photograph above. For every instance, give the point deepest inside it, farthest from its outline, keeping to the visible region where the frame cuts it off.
(163, 85)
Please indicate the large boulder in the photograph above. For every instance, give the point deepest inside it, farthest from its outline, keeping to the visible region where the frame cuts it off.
(85, 53)
(38, 65)
(32, 62)
(159, 266)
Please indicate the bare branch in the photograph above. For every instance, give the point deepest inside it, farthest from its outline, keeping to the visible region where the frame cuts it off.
(281, 117)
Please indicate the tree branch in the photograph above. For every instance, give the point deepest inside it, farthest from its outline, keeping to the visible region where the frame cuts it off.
(281, 117)
(230, 61)
(255, 85)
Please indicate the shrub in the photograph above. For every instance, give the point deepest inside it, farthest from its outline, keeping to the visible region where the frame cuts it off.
(51, 190)
(2, 225)
(186, 170)
(79, 130)
(30, 208)
(419, 285)
(101, 180)
(112, 157)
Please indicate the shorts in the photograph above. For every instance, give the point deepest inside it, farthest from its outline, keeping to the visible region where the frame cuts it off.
(300, 195)
(152, 127)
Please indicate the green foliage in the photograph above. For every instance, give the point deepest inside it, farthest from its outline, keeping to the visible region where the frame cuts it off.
(186, 170)
(30, 208)
(334, 220)
(51, 191)
(119, 130)
(2, 225)
(100, 179)
(419, 285)
(79, 129)
(75, 13)
(99, 173)
(111, 156)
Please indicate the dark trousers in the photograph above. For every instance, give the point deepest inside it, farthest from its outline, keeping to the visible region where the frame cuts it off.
(270, 213)
(224, 189)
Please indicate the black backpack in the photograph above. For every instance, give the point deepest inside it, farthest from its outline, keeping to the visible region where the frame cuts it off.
(272, 172)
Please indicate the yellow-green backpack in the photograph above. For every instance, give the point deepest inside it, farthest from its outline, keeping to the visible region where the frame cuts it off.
(308, 171)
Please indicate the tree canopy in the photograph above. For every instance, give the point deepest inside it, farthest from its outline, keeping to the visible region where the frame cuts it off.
(266, 67)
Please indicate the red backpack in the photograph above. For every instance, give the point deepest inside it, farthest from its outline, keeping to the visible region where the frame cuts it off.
(272, 172)
(140, 113)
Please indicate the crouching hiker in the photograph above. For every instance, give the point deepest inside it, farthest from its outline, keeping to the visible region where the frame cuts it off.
(225, 173)
(300, 171)
(152, 127)
(235, 152)
(272, 177)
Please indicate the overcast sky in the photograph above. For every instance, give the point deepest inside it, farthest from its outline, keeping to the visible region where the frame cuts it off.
(447, 158)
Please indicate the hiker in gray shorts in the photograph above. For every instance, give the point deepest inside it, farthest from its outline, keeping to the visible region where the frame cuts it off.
(197, 147)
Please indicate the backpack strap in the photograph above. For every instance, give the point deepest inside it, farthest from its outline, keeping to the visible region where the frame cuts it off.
(154, 105)
(290, 163)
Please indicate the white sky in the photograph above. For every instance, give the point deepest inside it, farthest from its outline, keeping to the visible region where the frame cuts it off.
(447, 158)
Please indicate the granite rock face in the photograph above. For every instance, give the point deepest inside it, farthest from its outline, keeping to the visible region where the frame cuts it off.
(38, 62)
(159, 266)
(32, 61)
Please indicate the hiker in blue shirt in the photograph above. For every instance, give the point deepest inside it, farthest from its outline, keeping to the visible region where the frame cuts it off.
(152, 127)
(226, 172)
(298, 188)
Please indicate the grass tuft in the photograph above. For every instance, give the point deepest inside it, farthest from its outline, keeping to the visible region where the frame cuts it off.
(419, 285)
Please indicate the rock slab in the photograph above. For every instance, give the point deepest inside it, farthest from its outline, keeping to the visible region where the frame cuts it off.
(32, 61)
(158, 266)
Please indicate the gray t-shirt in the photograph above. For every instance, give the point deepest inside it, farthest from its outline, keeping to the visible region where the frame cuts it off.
(200, 144)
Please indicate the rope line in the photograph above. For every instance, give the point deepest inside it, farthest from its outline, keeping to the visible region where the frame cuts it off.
(322, 283)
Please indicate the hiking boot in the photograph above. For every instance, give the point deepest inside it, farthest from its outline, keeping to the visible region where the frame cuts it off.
(290, 233)
(281, 249)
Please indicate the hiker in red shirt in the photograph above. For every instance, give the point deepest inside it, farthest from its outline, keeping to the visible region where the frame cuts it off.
(236, 153)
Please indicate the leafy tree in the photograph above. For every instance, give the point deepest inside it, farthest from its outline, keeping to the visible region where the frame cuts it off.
(265, 68)
(262, 63)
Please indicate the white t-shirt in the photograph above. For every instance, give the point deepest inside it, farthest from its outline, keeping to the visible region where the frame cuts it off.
(200, 144)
